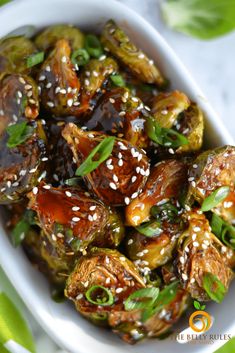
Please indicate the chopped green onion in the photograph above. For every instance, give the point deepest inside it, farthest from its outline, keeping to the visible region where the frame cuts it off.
(18, 133)
(163, 136)
(80, 57)
(153, 279)
(165, 297)
(215, 198)
(19, 232)
(223, 230)
(102, 295)
(35, 59)
(118, 80)
(166, 210)
(141, 298)
(93, 46)
(214, 287)
(72, 181)
(103, 149)
(149, 229)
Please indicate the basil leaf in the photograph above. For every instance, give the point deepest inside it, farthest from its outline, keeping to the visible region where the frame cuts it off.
(13, 326)
(141, 298)
(149, 229)
(18, 133)
(118, 80)
(103, 149)
(165, 297)
(214, 287)
(215, 198)
(204, 19)
(35, 59)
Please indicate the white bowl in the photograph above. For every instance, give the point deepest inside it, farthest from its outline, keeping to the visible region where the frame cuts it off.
(61, 321)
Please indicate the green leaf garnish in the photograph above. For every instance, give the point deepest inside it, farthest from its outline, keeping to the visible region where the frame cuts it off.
(150, 229)
(99, 295)
(35, 59)
(215, 198)
(18, 133)
(223, 230)
(214, 287)
(204, 19)
(80, 57)
(141, 298)
(93, 46)
(163, 136)
(166, 296)
(197, 305)
(118, 80)
(103, 150)
(13, 326)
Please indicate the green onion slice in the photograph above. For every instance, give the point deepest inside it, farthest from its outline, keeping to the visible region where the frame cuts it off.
(103, 149)
(150, 229)
(163, 136)
(93, 46)
(80, 57)
(18, 133)
(99, 295)
(165, 297)
(223, 230)
(118, 80)
(35, 59)
(72, 181)
(214, 287)
(141, 298)
(215, 198)
(19, 232)
(166, 210)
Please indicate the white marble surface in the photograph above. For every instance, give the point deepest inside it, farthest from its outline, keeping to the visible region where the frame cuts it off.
(212, 65)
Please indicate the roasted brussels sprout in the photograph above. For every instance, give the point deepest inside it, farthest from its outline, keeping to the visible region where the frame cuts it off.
(77, 224)
(166, 181)
(14, 52)
(200, 253)
(118, 179)
(175, 111)
(117, 42)
(100, 273)
(213, 169)
(48, 38)
(59, 83)
(119, 113)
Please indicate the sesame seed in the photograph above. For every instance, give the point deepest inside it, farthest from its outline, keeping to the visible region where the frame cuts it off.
(107, 281)
(64, 59)
(196, 244)
(113, 186)
(196, 229)
(70, 102)
(75, 208)
(102, 57)
(115, 178)
(44, 159)
(53, 237)
(48, 69)
(182, 261)
(192, 280)
(79, 296)
(112, 100)
(50, 104)
(42, 78)
(162, 251)
(141, 56)
(87, 82)
(47, 187)
(90, 218)
(122, 113)
(133, 179)
(184, 276)
(75, 219)
(195, 166)
(63, 91)
(60, 235)
(134, 195)
(194, 236)
(33, 170)
(171, 151)
(130, 241)
(191, 179)
(120, 162)
(127, 200)
(22, 80)
(119, 290)
(35, 190)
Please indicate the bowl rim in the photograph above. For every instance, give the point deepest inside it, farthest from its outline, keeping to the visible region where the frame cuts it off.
(173, 58)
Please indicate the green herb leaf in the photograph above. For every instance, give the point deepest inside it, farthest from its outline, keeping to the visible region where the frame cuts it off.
(80, 57)
(150, 229)
(18, 133)
(163, 136)
(93, 46)
(141, 298)
(215, 198)
(197, 305)
(214, 287)
(103, 150)
(203, 307)
(35, 59)
(223, 230)
(99, 295)
(204, 19)
(118, 80)
(13, 326)
(166, 296)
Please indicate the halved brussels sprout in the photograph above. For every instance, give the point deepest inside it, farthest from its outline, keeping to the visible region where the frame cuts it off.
(48, 38)
(119, 113)
(117, 42)
(71, 228)
(14, 52)
(166, 181)
(100, 282)
(174, 110)
(148, 252)
(120, 177)
(200, 253)
(59, 83)
(210, 171)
